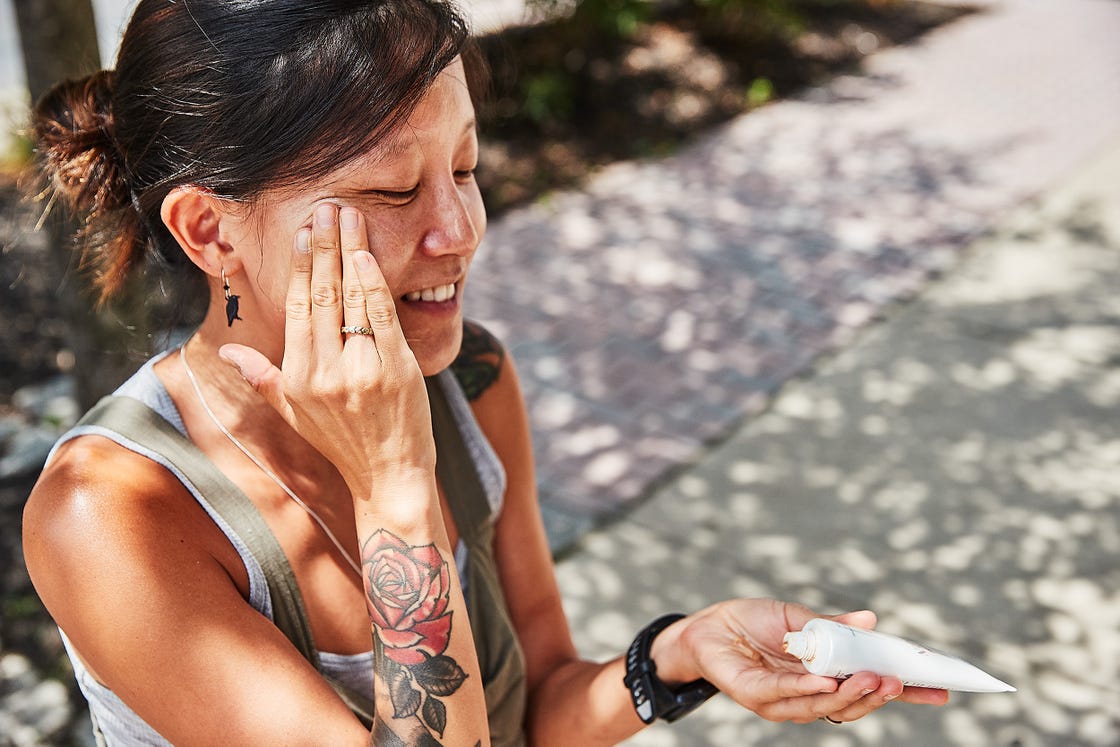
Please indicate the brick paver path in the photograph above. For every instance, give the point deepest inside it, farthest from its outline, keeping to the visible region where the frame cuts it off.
(653, 311)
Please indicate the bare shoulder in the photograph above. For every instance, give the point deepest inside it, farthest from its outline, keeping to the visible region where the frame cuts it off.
(95, 484)
(100, 515)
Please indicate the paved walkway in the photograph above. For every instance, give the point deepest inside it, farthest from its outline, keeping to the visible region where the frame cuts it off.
(956, 469)
(653, 311)
(718, 370)
(952, 465)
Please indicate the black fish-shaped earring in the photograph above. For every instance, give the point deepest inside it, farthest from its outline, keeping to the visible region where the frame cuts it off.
(232, 301)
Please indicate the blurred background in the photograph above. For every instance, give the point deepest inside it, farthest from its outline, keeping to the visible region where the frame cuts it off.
(810, 299)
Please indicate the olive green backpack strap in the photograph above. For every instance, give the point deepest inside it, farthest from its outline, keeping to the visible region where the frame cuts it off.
(500, 657)
(151, 432)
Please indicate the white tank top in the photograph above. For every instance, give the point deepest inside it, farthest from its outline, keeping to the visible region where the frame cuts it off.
(119, 724)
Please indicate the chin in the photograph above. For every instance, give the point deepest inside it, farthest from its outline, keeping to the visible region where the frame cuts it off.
(436, 355)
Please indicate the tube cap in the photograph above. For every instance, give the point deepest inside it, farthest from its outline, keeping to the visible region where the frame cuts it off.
(796, 644)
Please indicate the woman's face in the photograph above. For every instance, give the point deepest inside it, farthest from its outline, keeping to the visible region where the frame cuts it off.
(424, 217)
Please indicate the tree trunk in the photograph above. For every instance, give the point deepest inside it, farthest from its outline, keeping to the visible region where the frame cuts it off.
(59, 41)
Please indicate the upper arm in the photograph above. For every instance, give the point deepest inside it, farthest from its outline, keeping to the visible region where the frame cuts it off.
(138, 577)
(520, 545)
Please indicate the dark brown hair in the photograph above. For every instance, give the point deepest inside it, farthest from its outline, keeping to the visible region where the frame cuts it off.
(235, 96)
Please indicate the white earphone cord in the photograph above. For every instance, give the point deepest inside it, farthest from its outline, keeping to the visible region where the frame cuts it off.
(291, 494)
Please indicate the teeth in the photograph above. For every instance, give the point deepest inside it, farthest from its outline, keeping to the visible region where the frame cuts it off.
(438, 293)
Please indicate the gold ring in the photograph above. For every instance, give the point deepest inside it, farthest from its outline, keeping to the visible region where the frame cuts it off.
(354, 330)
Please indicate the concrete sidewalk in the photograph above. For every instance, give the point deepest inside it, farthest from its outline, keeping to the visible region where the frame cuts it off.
(956, 469)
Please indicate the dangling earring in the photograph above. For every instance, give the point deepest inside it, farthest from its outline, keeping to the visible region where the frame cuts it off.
(232, 301)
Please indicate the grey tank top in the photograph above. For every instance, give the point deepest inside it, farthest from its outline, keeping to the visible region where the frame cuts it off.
(115, 722)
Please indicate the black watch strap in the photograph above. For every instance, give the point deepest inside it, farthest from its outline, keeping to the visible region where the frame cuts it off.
(652, 698)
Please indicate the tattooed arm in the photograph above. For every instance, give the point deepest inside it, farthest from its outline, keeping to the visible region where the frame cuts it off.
(360, 401)
(409, 593)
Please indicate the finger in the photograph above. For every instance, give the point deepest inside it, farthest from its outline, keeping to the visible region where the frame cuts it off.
(924, 696)
(809, 707)
(865, 619)
(380, 308)
(326, 282)
(757, 688)
(352, 235)
(297, 320)
(865, 698)
(258, 370)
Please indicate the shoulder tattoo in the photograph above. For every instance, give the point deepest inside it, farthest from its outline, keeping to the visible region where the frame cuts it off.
(479, 362)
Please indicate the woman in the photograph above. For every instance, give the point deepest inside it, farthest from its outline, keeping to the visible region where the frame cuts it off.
(217, 542)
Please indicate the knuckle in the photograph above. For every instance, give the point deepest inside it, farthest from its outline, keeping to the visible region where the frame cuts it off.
(324, 295)
(819, 711)
(381, 310)
(353, 297)
(320, 389)
(297, 309)
(382, 317)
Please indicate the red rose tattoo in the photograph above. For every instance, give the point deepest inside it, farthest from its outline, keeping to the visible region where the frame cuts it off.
(409, 589)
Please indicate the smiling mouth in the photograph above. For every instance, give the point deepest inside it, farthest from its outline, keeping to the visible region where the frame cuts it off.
(437, 294)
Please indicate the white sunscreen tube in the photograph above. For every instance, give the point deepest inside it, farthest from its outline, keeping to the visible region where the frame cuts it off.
(833, 649)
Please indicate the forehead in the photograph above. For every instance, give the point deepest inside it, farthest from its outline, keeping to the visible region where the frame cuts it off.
(442, 116)
(440, 122)
(444, 109)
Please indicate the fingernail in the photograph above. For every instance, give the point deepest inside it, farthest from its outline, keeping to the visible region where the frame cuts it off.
(889, 697)
(868, 691)
(348, 218)
(324, 215)
(303, 240)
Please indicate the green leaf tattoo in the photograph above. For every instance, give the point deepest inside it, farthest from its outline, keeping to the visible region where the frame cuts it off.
(406, 700)
(479, 362)
(435, 715)
(439, 675)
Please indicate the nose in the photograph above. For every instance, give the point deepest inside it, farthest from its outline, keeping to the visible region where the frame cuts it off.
(453, 228)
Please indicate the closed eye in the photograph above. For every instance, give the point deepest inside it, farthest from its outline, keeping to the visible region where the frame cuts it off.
(396, 195)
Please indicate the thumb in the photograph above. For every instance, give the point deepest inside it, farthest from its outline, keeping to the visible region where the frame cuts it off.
(258, 370)
(865, 619)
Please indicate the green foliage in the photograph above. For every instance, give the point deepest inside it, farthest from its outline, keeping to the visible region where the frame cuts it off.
(16, 150)
(618, 19)
(547, 96)
(760, 91)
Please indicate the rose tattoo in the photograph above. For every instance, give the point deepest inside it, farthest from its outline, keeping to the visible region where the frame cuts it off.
(408, 591)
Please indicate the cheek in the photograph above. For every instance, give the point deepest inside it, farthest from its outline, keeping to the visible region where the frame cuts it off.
(272, 269)
(476, 208)
(388, 241)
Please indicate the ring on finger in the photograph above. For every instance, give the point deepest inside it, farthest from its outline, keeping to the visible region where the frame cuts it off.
(830, 720)
(351, 329)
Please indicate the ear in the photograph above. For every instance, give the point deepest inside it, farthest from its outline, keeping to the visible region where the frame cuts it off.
(194, 217)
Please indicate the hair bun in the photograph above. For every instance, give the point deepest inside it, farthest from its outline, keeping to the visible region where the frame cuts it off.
(74, 130)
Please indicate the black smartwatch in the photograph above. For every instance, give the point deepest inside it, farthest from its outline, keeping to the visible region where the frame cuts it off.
(652, 698)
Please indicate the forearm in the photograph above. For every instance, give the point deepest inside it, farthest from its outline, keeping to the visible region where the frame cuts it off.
(428, 687)
(583, 703)
(588, 703)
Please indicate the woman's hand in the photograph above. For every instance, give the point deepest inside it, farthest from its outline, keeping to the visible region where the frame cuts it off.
(359, 399)
(737, 646)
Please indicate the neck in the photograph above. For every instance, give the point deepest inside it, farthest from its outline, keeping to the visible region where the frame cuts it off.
(278, 441)
(232, 402)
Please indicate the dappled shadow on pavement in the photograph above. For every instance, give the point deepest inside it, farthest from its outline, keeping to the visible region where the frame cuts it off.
(651, 313)
(957, 470)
